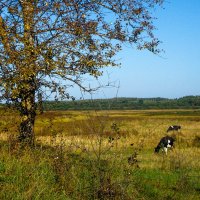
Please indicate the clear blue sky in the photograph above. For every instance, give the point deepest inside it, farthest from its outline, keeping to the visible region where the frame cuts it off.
(177, 72)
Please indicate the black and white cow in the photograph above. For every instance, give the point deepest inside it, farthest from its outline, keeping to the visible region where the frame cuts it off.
(174, 128)
(165, 143)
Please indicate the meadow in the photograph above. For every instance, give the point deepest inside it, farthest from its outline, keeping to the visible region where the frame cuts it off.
(101, 155)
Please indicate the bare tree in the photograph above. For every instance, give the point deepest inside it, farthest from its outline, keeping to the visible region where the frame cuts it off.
(52, 44)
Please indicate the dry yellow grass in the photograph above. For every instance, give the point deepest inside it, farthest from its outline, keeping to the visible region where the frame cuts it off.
(146, 126)
(134, 126)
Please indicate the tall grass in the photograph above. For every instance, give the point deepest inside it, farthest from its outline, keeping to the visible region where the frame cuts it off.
(101, 155)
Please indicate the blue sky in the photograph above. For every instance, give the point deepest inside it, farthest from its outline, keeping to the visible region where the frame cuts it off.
(174, 74)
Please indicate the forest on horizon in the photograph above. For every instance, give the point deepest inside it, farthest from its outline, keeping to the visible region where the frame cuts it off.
(124, 103)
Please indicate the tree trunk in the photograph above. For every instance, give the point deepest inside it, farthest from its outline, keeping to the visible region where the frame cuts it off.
(28, 113)
(40, 103)
(28, 75)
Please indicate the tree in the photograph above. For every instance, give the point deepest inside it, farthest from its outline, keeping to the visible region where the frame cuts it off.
(50, 45)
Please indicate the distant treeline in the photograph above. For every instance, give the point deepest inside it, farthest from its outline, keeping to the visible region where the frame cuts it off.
(187, 102)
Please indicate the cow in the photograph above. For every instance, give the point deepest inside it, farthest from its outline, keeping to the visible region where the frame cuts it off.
(173, 128)
(165, 143)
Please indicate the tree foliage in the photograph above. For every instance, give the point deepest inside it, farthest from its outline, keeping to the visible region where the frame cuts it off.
(48, 46)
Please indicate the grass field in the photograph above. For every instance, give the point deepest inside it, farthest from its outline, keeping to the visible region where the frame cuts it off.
(101, 155)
